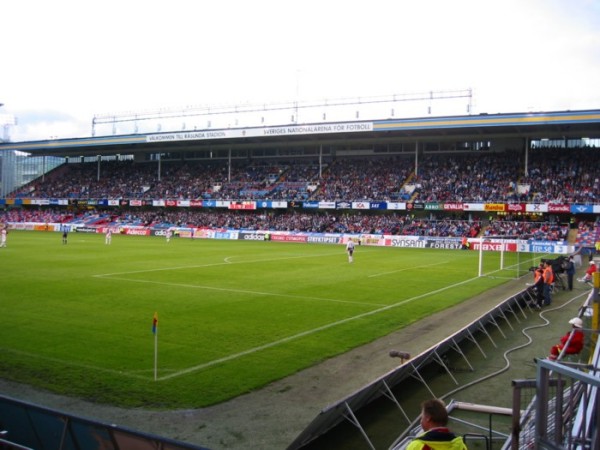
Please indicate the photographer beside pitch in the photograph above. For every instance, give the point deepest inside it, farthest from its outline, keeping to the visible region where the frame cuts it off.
(548, 276)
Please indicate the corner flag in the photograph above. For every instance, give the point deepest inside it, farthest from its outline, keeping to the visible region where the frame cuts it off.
(155, 332)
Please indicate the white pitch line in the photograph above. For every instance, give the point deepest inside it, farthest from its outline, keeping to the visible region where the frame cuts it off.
(405, 269)
(244, 291)
(75, 364)
(309, 332)
(226, 262)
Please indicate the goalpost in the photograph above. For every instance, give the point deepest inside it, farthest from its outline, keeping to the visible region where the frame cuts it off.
(513, 256)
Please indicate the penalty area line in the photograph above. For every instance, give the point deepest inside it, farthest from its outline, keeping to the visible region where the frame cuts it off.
(406, 268)
(310, 332)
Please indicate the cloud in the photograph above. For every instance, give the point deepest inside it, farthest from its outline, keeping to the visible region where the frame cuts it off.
(48, 124)
(115, 56)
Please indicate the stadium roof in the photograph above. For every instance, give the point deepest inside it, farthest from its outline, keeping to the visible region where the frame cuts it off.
(482, 127)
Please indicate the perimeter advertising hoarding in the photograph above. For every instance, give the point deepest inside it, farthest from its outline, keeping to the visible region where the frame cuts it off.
(244, 236)
(380, 240)
(289, 237)
(423, 242)
(311, 204)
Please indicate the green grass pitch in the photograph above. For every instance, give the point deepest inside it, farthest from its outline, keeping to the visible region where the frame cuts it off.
(232, 315)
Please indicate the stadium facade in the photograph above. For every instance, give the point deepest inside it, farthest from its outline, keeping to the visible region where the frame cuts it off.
(480, 134)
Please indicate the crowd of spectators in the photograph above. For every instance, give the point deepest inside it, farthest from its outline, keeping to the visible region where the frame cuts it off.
(467, 178)
(563, 176)
(298, 221)
(552, 175)
(528, 230)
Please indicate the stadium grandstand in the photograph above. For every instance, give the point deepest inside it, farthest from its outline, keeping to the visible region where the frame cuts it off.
(529, 173)
(531, 177)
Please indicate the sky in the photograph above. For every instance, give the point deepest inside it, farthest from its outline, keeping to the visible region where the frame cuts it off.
(65, 61)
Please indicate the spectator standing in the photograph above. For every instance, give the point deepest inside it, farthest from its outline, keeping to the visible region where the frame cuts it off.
(436, 435)
(570, 271)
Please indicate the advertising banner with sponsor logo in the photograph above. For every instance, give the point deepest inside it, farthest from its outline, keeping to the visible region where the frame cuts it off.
(516, 207)
(494, 207)
(288, 130)
(559, 209)
(396, 206)
(289, 238)
(444, 243)
(320, 239)
(507, 245)
(90, 230)
(416, 206)
(473, 207)
(326, 205)
(162, 232)
(404, 241)
(495, 245)
(27, 226)
(251, 236)
(202, 233)
(453, 207)
(423, 242)
(39, 201)
(247, 205)
(185, 232)
(582, 209)
(543, 247)
(537, 207)
(372, 239)
(311, 205)
(272, 205)
(360, 205)
(41, 227)
(226, 234)
(136, 231)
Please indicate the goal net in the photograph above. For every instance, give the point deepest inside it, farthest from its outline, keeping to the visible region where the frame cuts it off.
(506, 256)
